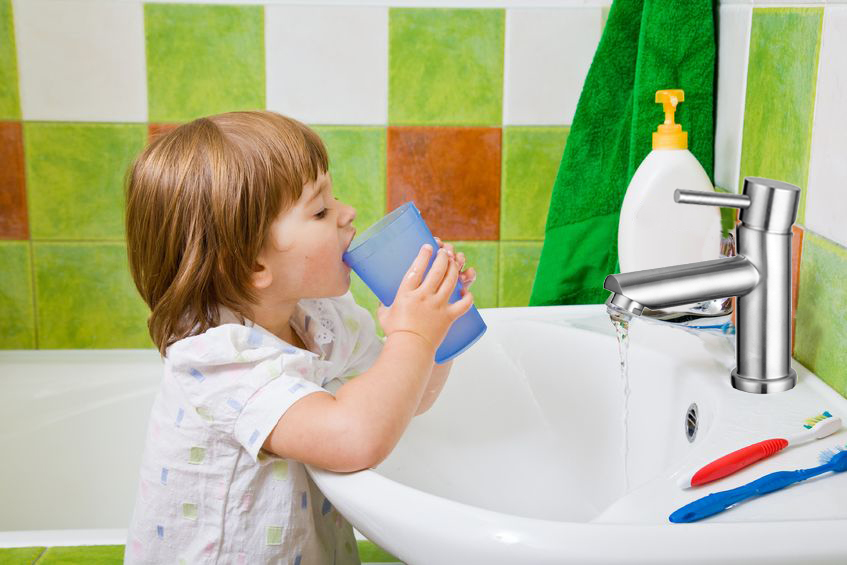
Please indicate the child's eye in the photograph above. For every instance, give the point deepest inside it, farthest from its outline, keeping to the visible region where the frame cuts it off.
(320, 215)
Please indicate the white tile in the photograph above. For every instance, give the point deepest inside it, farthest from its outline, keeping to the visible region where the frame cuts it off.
(548, 54)
(328, 64)
(733, 49)
(81, 60)
(826, 192)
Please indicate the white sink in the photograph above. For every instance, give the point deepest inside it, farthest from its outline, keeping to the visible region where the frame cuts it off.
(527, 458)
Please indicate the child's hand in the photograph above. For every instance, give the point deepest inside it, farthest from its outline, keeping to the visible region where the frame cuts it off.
(422, 305)
(467, 276)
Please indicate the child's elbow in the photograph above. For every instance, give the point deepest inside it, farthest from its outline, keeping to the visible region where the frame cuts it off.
(371, 450)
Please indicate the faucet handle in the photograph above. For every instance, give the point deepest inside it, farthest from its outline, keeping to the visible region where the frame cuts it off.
(711, 198)
(766, 204)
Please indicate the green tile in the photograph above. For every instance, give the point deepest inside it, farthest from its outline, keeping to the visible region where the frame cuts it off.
(17, 320)
(20, 555)
(75, 176)
(203, 59)
(780, 100)
(90, 555)
(357, 166)
(518, 263)
(445, 66)
(531, 157)
(821, 330)
(369, 552)
(86, 298)
(10, 104)
(483, 257)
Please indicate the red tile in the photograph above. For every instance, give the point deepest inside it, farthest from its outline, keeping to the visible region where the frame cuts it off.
(796, 253)
(453, 176)
(13, 213)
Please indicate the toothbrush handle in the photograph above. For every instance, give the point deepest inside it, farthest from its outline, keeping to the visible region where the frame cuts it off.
(732, 462)
(720, 501)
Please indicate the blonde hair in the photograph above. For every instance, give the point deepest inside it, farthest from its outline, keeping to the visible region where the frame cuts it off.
(200, 200)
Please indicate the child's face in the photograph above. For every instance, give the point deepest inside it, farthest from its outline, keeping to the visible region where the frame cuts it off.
(302, 256)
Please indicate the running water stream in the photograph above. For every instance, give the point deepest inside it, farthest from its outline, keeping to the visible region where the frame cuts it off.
(621, 320)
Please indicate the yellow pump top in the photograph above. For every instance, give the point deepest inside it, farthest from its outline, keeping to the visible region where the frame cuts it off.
(669, 135)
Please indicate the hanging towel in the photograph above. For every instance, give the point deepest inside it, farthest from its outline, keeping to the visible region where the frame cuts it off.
(647, 45)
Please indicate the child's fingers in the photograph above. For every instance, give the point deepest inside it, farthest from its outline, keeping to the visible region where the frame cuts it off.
(436, 272)
(449, 282)
(468, 277)
(458, 308)
(414, 275)
(451, 251)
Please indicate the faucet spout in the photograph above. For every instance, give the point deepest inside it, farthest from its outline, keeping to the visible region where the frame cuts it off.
(682, 284)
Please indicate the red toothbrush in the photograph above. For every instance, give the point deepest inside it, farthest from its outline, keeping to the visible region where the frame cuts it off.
(816, 428)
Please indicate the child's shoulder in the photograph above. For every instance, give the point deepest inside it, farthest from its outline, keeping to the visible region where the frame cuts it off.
(227, 343)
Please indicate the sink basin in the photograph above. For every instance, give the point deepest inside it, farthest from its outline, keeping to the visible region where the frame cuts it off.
(539, 451)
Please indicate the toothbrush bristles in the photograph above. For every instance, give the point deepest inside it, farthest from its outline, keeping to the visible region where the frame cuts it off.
(809, 424)
(827, 454)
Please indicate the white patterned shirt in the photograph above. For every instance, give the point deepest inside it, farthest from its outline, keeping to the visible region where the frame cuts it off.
(207, 493)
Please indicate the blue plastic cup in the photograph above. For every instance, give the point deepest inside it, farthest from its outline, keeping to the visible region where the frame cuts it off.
(382, 256)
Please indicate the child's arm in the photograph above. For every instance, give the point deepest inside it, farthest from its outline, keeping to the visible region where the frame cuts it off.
(437, 378)
(360, 426)
(440, 372)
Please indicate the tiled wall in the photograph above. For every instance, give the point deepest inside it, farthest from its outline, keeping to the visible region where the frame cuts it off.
(782, 88)
(466, 111)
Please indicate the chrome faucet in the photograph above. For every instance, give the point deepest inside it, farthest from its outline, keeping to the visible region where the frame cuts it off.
(759, 276)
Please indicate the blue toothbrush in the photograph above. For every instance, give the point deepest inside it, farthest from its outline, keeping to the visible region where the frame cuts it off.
(835, 460)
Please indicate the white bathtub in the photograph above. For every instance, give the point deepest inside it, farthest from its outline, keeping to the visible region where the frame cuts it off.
(72, 426)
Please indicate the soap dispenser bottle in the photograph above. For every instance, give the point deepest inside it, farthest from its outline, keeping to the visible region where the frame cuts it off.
(654, 231)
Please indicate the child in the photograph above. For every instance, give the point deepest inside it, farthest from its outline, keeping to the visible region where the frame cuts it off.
(235, 244)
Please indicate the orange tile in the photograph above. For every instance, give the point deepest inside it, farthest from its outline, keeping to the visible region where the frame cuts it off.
(13, 211)
(796, 253)
(453, 176)
(155, 130)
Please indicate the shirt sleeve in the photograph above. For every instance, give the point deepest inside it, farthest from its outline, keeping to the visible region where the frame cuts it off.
(367, 345)
(244, 394)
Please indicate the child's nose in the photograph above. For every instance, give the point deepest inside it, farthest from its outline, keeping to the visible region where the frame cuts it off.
(348, 216)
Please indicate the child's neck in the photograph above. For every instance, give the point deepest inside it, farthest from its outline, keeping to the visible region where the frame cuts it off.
(276, 318)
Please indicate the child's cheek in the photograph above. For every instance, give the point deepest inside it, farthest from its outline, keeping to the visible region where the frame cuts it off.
(283, 235)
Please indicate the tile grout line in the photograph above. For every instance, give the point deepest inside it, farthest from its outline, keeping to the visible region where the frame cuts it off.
(34, 292)
(32, 273)
(745, 70)
(40, 555)
(812, 161)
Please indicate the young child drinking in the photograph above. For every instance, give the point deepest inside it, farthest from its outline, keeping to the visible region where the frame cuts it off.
(235, 243)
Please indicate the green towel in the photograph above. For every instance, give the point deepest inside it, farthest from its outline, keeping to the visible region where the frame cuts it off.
(647, 45)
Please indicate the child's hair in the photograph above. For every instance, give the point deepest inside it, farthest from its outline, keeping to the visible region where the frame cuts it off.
(200, 200)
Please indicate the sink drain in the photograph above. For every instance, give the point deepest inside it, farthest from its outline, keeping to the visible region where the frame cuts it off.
(691, 422)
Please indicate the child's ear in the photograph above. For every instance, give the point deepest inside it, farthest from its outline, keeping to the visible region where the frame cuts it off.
(261, 277)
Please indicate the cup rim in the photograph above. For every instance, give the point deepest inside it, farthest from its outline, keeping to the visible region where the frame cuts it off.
(379, 226)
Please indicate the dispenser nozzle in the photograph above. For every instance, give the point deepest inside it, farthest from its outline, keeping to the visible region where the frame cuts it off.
(669, 135)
